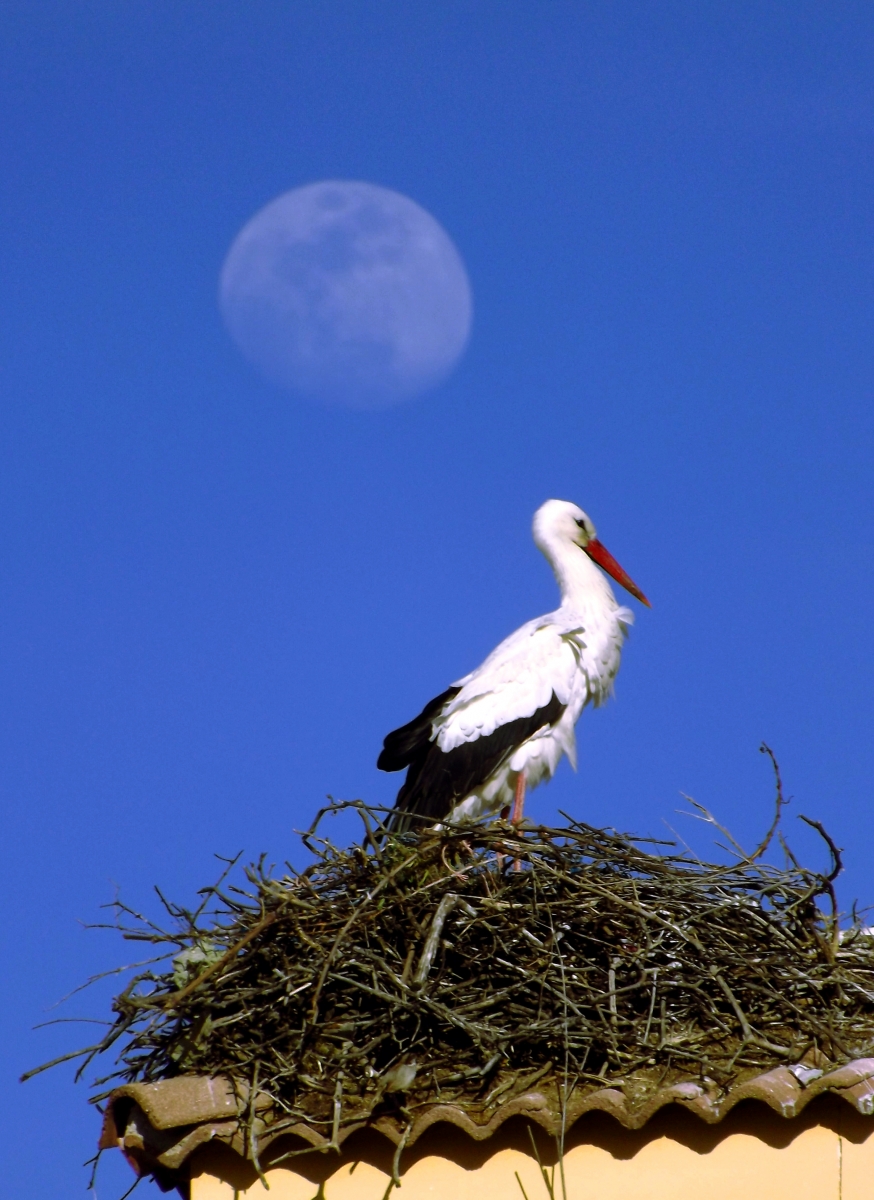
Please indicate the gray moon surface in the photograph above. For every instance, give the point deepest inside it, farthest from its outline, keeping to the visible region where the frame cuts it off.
(347, 293)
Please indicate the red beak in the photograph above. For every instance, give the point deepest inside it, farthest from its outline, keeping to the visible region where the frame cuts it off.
(602, 556)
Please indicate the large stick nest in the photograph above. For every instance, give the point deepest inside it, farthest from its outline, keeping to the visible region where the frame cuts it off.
(464, 965)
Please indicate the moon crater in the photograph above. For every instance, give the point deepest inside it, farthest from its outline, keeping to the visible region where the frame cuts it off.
(348, 293)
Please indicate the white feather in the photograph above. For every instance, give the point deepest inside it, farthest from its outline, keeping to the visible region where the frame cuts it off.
(572, 653)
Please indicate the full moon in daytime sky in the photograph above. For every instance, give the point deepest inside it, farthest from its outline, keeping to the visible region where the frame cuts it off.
(348, 293)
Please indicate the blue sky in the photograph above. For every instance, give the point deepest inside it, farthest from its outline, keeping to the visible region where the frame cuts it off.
(216, 600)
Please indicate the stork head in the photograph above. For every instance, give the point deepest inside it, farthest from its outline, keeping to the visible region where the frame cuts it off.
(558, 525)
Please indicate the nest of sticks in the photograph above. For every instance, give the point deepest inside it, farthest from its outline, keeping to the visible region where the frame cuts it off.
(465, 965)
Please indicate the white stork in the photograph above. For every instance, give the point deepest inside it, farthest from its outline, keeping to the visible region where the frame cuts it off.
(477, 746)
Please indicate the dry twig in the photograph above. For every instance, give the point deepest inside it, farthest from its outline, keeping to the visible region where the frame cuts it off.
(430, 959)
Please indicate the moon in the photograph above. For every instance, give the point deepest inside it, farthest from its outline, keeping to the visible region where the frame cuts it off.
(347, 293)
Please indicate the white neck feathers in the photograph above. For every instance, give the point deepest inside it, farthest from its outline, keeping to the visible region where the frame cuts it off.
(583, 585)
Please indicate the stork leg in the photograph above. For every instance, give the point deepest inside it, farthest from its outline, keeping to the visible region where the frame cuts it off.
(519, 800)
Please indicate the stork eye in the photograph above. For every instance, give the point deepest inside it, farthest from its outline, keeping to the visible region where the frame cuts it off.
(581, 523)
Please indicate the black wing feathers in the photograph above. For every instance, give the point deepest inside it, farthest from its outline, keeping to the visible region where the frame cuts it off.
(437, 781)
(402, 745)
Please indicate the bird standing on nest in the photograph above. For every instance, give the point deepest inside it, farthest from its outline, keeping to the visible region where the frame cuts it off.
(475, 748)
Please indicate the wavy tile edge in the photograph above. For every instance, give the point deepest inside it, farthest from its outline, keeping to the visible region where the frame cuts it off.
(158, 1126)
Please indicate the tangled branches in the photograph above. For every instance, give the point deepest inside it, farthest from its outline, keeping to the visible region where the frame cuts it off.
(466, 965)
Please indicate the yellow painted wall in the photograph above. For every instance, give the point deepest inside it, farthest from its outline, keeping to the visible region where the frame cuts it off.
(817, 1165)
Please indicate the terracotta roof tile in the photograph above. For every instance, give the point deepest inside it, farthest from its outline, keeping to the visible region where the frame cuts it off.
(159, 1125)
